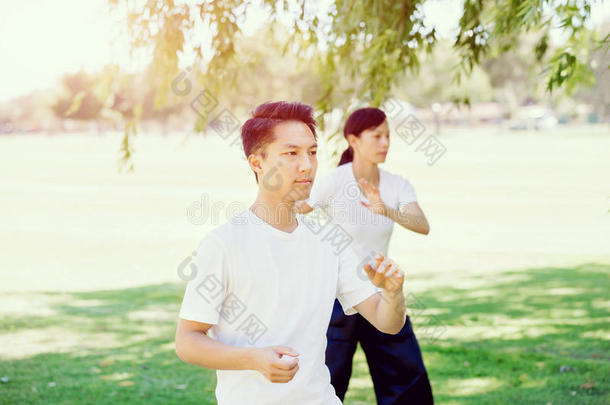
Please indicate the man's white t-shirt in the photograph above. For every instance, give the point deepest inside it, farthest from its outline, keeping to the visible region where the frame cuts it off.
(260, 286)
(339, 195)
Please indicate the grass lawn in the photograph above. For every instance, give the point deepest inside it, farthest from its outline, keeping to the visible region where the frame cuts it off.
(511, 285)
(533, 338)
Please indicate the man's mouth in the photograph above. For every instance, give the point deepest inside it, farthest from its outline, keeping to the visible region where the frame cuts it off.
(306, 181)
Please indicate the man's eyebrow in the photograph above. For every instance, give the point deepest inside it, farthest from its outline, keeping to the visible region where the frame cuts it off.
(290, 145)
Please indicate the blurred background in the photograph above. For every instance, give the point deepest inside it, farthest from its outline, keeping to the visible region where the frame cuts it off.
(120, 150)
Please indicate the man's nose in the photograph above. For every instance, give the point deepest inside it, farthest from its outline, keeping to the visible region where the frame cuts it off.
(305, 163)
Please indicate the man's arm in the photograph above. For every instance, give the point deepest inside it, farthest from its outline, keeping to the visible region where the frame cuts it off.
(194, 346)
(386, 310)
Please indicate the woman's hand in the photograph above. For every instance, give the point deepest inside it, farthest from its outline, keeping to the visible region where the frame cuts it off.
(376, 205)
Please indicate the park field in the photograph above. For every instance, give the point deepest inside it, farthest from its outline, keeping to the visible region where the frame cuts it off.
(508, 294)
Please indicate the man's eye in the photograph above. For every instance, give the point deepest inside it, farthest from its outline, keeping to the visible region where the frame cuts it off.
(314, 152)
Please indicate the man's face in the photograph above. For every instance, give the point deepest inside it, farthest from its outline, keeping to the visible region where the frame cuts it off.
(289, 166)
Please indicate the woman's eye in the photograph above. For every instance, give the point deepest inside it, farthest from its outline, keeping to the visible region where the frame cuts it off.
(290, 153)
(314, 152)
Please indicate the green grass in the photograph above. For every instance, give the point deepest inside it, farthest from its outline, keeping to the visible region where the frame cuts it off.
(504, 342)
(137, 327)
(508, 342)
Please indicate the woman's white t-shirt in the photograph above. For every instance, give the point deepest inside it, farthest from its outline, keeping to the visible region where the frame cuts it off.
(339, 195)
(259, 287)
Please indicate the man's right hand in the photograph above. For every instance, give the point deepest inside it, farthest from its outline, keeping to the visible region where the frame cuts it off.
(278, 364)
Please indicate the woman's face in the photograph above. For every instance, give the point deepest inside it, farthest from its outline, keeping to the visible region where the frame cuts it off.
(372, 144)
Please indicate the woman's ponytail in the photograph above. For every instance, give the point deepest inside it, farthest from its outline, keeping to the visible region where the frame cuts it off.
(347, 156)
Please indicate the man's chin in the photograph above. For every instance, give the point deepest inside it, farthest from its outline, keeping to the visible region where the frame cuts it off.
(300, 191)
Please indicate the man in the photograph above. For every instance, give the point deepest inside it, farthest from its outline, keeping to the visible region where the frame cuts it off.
(259, 303)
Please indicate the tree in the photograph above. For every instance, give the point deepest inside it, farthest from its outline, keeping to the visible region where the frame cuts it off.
(359, 49)
(598, 95)
(79, 102)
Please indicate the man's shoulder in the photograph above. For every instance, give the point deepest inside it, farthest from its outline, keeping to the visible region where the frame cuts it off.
(339, 172)
(227, 233)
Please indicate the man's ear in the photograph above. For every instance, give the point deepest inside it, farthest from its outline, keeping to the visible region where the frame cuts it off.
(254, 160)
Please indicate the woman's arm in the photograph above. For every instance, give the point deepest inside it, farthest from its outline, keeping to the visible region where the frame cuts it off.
(409, 216)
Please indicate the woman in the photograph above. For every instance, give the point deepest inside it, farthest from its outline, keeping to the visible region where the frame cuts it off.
(366, 201)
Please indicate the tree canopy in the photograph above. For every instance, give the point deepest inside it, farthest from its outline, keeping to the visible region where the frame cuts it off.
(358, 49)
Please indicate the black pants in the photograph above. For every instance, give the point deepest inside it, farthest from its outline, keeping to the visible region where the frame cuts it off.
(395, 361)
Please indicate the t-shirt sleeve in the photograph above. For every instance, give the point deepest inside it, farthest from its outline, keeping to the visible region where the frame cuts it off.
(207, 285)
(406, 192)
(322, 191)
(353, 285)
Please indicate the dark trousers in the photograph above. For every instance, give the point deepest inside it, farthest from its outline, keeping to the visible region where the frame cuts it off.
(395, 361)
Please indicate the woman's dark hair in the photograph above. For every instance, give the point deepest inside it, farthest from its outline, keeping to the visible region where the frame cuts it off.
(358, 121)
(257, 132)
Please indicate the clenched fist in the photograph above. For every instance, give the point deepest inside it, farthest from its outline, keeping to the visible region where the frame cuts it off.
(278, 364)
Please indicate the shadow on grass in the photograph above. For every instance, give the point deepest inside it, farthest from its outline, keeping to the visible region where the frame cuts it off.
(535, 336)
(504, 340)
(140, 366)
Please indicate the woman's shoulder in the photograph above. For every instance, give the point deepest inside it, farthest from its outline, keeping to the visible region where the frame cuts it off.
(345, 167)
(394, 178)
(340, 173)
(400, 187)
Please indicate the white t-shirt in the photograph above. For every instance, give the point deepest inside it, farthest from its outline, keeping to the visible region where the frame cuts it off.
(339, 195)
(260, 286)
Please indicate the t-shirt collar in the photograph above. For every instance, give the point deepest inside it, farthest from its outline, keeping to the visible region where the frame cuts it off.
(266, 227)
